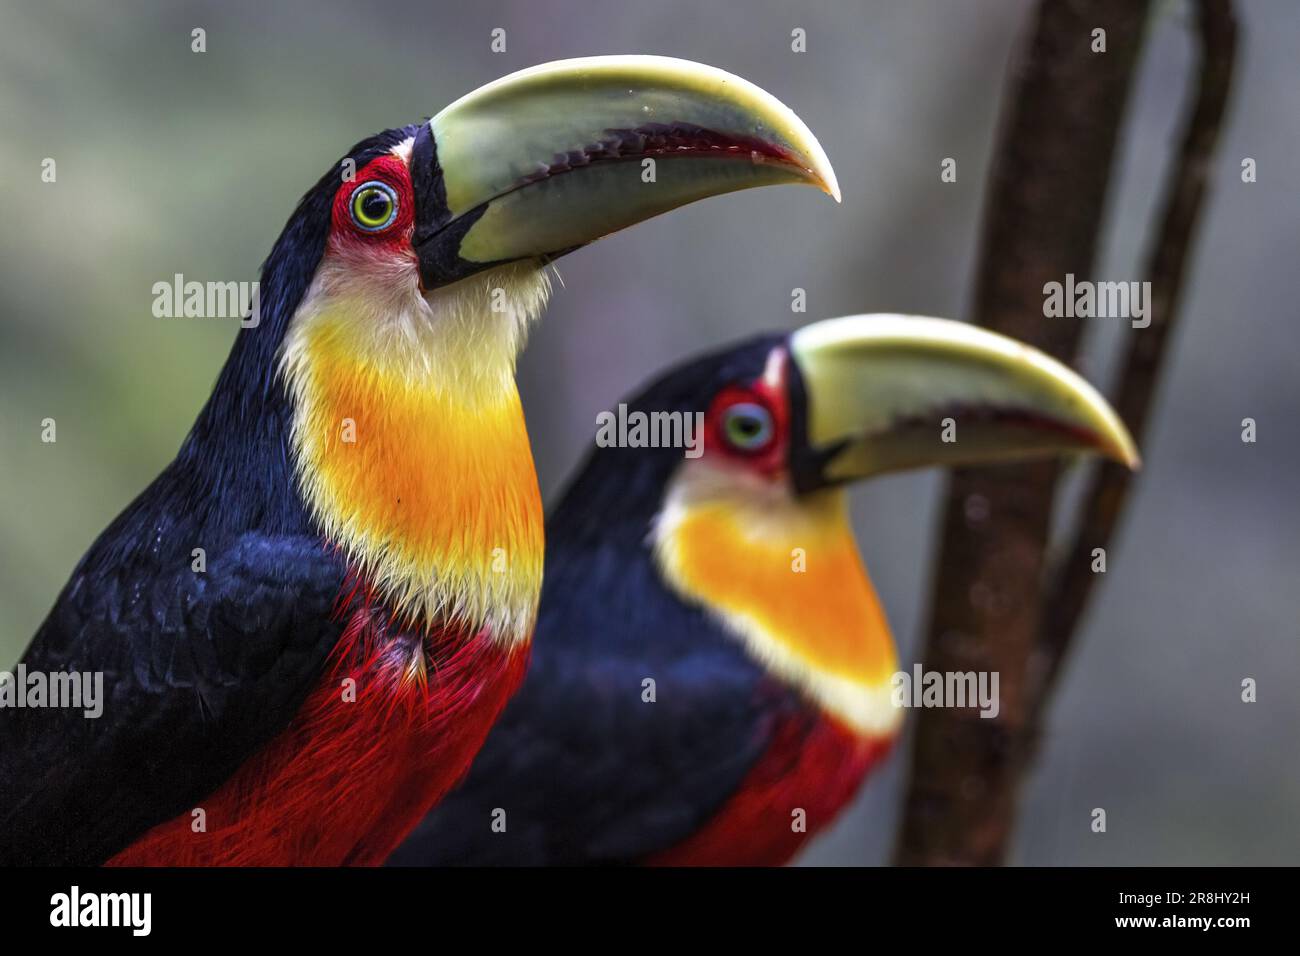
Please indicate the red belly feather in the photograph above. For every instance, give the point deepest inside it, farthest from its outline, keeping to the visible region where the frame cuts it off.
(817, 769)
(347, 781)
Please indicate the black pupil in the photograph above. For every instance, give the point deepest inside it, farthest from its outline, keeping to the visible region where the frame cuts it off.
(374, 205)
(749, 427)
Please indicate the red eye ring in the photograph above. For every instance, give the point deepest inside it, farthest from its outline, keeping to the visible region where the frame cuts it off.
(747, 427)
(747, 423)
(388, 181)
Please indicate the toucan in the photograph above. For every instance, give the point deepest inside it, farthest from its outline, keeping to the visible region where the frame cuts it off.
(308, 622)
(712, 675)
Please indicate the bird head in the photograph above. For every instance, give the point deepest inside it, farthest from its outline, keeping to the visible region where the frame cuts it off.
(398, 296)
(754, 528)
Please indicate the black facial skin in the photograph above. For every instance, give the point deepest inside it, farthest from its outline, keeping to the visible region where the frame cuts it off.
(807, 465)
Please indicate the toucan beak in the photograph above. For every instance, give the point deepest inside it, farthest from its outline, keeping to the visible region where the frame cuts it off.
(890, 392)
(543, 161)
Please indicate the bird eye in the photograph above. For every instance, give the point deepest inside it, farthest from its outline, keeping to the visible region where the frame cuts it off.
(374, 206)
(747, 426)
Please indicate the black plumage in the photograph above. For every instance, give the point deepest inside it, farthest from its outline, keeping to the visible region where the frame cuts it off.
(200, 668)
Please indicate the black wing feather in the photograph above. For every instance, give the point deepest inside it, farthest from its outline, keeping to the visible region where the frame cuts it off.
(199, 671)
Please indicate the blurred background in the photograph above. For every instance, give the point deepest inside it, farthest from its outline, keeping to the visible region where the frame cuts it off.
(172, 161)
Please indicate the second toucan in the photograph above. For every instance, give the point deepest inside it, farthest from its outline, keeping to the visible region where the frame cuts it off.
(711, 676)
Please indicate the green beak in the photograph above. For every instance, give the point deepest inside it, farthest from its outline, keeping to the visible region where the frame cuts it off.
(891, 392)
(546, 160)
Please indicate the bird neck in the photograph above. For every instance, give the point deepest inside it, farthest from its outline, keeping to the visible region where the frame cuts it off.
(413, 456)
(782, 575)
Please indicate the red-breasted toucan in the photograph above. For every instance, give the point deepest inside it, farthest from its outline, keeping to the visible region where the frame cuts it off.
(711, 676)
(360, 488)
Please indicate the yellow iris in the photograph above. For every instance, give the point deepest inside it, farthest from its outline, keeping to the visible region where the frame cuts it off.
(374, 206)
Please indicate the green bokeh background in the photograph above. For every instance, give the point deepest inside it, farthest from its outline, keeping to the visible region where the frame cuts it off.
(171, 161)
